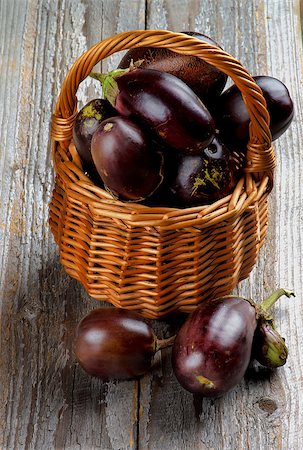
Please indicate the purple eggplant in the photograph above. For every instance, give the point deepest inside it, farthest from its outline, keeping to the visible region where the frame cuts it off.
(129, 166)
(232, 117)
(201, 179)
(87, 121)
(163, 104)
(112, 343)
(204, 79)
(213, 348)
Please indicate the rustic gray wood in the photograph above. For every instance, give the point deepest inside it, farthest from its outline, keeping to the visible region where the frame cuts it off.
(47, 402)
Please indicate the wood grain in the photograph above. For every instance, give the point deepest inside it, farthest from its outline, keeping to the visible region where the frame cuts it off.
(47, 400)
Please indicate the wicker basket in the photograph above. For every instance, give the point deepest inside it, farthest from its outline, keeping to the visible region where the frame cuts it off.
(157, 260)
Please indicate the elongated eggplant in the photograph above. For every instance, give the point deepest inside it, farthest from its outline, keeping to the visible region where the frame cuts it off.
(213, 348)
(129, 166)
(232, 117)
(204, 79)
(202, 179)
(162, 103)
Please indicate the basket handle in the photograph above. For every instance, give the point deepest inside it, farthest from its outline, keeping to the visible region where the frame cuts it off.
(260, 157)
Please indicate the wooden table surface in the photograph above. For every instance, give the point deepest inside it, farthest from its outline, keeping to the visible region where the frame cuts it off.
(47, 401)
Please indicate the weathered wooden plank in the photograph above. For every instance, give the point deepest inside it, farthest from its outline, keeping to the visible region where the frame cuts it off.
(285, 61)
(32, 285)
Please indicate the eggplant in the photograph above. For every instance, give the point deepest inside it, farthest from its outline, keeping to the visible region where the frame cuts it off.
(113, 343)
(204, 79)
(213, 348)
(86, 123)
(202, 179)
(129, 166)
(162, 103)
(232, 117)
(269, 347)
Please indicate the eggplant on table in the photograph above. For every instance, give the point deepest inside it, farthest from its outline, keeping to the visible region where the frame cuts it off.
(214, 346)
(114, 343)
(211, 350)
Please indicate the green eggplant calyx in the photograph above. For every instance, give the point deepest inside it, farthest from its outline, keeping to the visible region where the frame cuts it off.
(109, 84)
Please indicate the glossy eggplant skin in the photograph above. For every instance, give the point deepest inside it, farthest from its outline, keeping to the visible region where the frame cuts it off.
(213, 347)
(204, 79)
(87, 121)
(232, 117)
(168, 107)
(202, 179)
(113, 343)
(129, 167)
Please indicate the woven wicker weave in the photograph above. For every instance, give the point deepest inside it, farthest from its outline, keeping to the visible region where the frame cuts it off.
(158, 260)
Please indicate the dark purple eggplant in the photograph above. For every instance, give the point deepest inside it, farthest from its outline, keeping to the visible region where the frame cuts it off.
(232, 117)
(163, 104)
(204, 79)
(112, 343)
(129, 167)
(213, 348)
(86, 123)
(203, 179)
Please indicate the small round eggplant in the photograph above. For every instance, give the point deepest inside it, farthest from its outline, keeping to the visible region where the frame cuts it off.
(203, 179)
(232, 117)
(130, 169)
(87, 121)
(163, 104)
(112, 343)
(204, 79)
(213, 348)
(269, 347)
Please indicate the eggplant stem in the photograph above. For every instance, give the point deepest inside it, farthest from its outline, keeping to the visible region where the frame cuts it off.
(98, 76)
(116, 73)
(271, 300)
(163, 343)
(109, 84)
